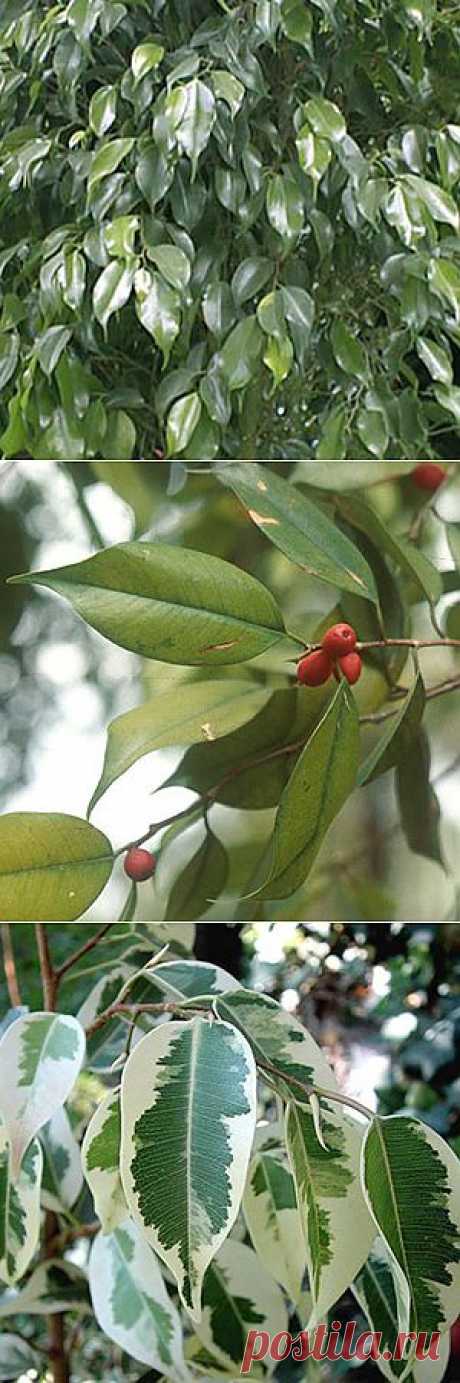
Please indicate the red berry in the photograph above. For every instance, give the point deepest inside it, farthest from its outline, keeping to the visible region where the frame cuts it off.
(340, 639)
(314, 668)
(428, 476)
(351, 666)
(139, 864)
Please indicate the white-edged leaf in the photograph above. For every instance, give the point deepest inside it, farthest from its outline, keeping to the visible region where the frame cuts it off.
(375, 1291)
(337, 1226)
(103, 993)
(40, 1058)
(238, 1294)
(131, 1303)
(179, 935)
(16, 1356)
(62, 1174)
(53, 1286)
(277, 1039)
(188, 1118)
(411, 1180)
(101, 1162)
(186, 979)
(272, 1218)
(19, 1210)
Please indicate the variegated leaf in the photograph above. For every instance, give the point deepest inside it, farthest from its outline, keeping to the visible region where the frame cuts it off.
(103, 993)
(40, 1058)
(375, 1290)
(411, 1180)
(337, 1225)
(131, 1303)
(277, 1039)
(62, 1174)
(188, 1108)
(19, 1210)
(273, 1221)
(179, 935)
(101, 1161)
(184, 979)
(53, 1286)
(16, 1356)
(238, 1296)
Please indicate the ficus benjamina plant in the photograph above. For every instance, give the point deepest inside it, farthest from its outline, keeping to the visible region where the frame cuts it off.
(229, 229)
(269, 717)
(210, 1177)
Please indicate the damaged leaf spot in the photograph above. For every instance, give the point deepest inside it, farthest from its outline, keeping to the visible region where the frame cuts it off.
(218, 647)
(260, 518)
(207, 731)
(261, 485)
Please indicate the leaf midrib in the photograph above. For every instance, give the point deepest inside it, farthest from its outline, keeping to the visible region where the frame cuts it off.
(395, 1205)
(49, 868)
(153, 599)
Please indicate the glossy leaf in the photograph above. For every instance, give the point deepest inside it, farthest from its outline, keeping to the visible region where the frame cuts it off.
(52, 866)
(62, 1175)
(398, 735)
(40, 1058)
(100, 1158)
(237, 1293)
(200, 883)
(131, 1303)
(272, 1218)
(19, 1209)
(201, 610)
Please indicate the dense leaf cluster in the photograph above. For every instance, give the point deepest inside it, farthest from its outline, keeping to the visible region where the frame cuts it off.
(229, 230)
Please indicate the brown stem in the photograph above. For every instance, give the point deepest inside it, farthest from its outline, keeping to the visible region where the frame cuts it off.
(10, 966)
(57, 1352)
(363, 645)
(154, 827)
(134, 1009)
(47, 972)
(452, 684)
(82, 951)
(69, 1235)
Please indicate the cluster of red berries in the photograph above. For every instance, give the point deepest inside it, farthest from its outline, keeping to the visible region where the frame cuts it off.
(338, 650)
(139, 864)
(428, 476)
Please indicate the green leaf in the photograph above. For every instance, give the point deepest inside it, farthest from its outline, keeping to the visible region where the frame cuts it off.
(144, 58)
(111, 291)
(272, 1218)
(373, 430)
(19, 1209)
(52, 866)
(448, 396)
(201, 882)
(406, 555)
(103, 109)
(320, 783)
(100, 1153)
(50, 346)
(299, 312)
(377, 1294)
(397, 737)
(131, 1303)
(250, 276)
(196, 121)
(440, 204)
(183, 418)
(284, 205)
(332, 442)
(421, 1231)
(444, 280)
(158, 309)
(227, 88)
(277, 1039)
(241, 352)
(297, 22)
(437, 361)
(418, 803)
(40, 1058)
(9, 355)
(342, 477)
(325, 119)
(119, 443)
(172, 263)
(119, 236)
(107, 159)
(185, 1083)
(297, 526)
(198, 713)
(198, 610)
(453, 538)
(219, 308)
(349, 352)
(237, 1294)
(331, 1204)
(278, 357)
(74, 280)
(16, 1357)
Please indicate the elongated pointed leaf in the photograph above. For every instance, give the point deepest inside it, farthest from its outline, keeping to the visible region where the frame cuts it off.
(187, 1088)
(398, 735)
(196, 610)
(62, 1174)
(101, 1162)
(40, 1058)
(19, 1209)
(418, 803)
(272, 1218)
(53, 1286)
(187, 979)
(339, 475)
(200, 713)
(297, 526)
(238, 1294)
(320, 783)
(52, 866)
(277, 1039)
(16, 1356)
(420, 1227)
(131, 1303)
(375, 1290)
(404, 553)
(200, 883)
(330, 1200)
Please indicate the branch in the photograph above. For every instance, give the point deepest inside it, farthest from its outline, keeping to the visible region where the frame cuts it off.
(133, 1010)
(451, 684)
(46, 968)
(82, 951)
(9, 965)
